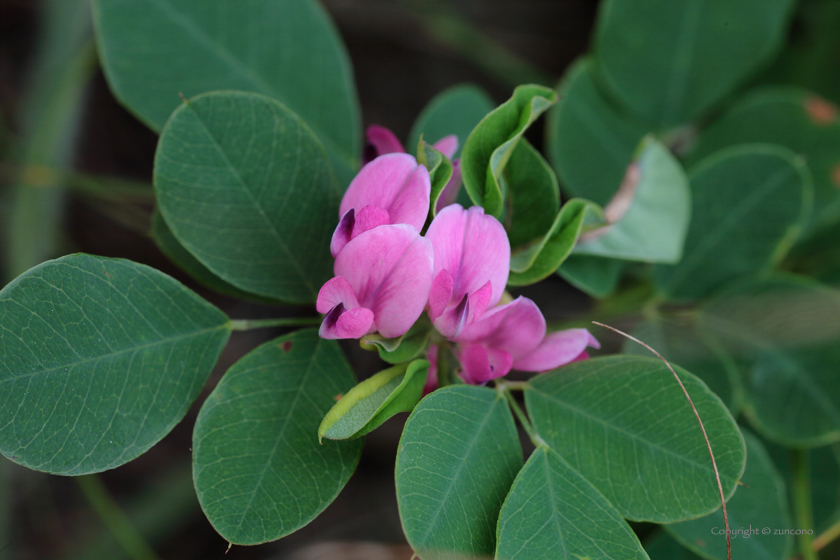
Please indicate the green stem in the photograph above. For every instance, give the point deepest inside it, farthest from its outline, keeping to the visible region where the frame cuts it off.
(114, 519)
(802, 502)
(444, 365)
(249, 324)
(504, 387)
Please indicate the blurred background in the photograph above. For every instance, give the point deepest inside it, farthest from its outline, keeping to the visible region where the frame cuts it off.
(75, 176)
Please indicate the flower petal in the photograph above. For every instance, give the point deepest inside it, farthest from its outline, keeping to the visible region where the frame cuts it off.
(390, 271)
(479, 302)
(336, 290)
(431, 376)
(450, 192)
(481, 364)
(368, 218)
(342, 323)
(557, 349)
(380, 141)
(395, 183)
(454, 318)
(447, 145)
(343, 232)
(517, 328)
(440, 294)
(473, 247)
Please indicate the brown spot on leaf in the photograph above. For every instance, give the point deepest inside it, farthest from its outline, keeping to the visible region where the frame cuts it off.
(286, 346)
(820, 111)
(701, 543)
(105, 272)
(338, 397)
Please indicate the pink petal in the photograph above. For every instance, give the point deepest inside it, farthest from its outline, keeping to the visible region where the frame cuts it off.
(450, 192)
(447, 145)
(452, 321)
(582, 356)
(440, 294)
(341, 323)
(380, 141)
(336, 290)
(556, 349)
(395, 183)
(481, 364)
(343, 232)
(431, 377)
(473, 247)
(368, 218)
(390, 271)
(479, 302)
(517, 327)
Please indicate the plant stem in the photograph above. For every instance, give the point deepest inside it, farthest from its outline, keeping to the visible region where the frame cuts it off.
(505, 389)
(112, 516)
(802, 508)
(250, 324)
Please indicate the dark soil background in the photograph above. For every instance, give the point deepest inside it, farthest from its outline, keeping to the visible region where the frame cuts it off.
(400, 64)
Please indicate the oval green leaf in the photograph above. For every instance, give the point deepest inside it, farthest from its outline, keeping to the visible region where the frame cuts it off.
(656, 467)
(749, 204)
(793, 118)
(458, 456)
(761, 503)
(670, 60)
(595, 276)
(247, 189)
(533, 195)
(490, 145)
(553, 512)
(440, 171)
(289, 50)
(259, 471)
(589, 141)
(102, 358)
(376, 399)
(649, 214)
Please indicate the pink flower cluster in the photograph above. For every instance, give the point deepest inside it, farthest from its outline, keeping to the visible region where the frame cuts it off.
(387, 274)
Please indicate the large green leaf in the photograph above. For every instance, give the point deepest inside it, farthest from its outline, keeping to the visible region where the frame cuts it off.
(456, 110)
(669, 60)
(784, 331)
(649, 214)
(258, 468)
(101, 358)
(376, 399)
(247, 189)
(538, 260)
(491, 144)
(589, 141)
(761, 503)
(553, 512)
(697, 351)
(596, 276)
(663, 546)
(457, 459)
(156, 50)
(749, 204)
(796, 119)
(533, 195)
(624, 424)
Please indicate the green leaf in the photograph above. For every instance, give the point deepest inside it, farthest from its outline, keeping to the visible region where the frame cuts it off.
(553, 512)
(102, 357)
(458, 456)
(490, 145)
(762, 503)
(533, 195)
(589, 141)
(649, 214)
(531, 263)
(662, 546)
(749, 204)
(404, 348)
(376, 399)
(247, 189)
(289, 50)
(456, 110)
(656, 466)
(784, 332)
(697, 351)
(176, 252)
(597, 277)
(793, 118)
(440, 171)
(670, 60)
(259, 471)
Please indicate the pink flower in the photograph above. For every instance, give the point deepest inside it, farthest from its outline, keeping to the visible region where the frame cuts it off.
(392, 189)
(381, 141)
(382, 282)
(472, 263)
(513, 336)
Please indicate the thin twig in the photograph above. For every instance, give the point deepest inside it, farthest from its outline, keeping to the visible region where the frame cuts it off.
(699, 421)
